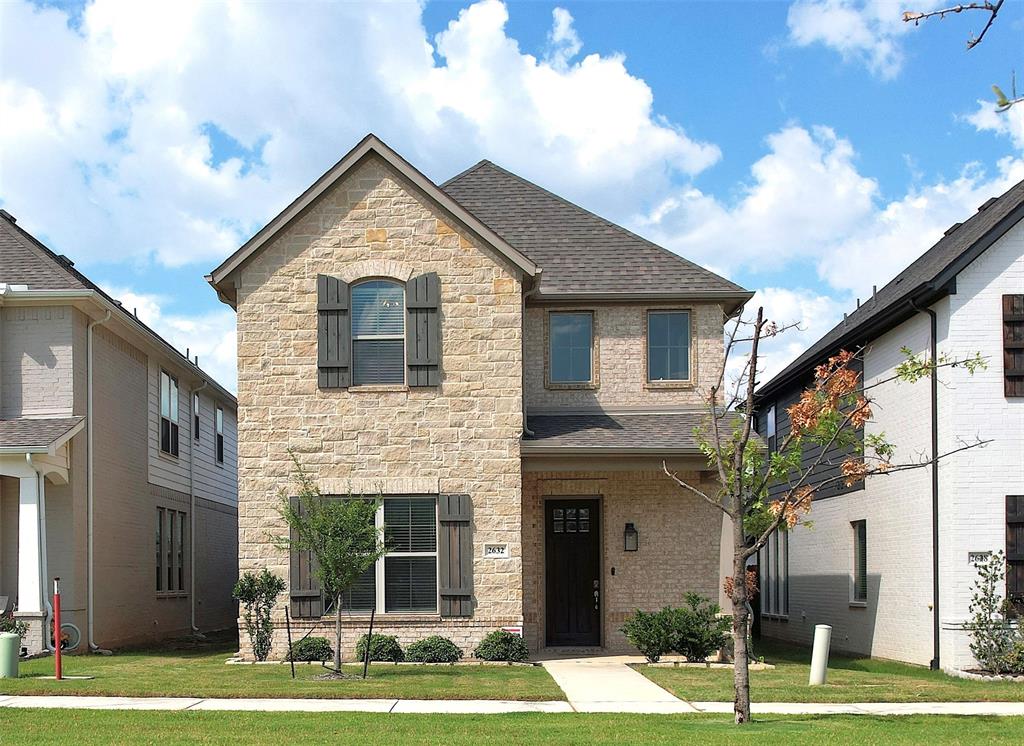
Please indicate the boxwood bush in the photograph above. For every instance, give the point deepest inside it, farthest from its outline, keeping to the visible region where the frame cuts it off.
(696, 630)
(382, 648)
(651, 632)
(500, 645)
(312, 649)
(433, 649)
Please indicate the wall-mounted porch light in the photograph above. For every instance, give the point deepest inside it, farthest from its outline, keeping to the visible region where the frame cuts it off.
(632, 538)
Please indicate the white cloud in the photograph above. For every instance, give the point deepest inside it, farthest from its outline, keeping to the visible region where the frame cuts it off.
(211, 335)
(866, 31)
(1008, 123)
(110, 123)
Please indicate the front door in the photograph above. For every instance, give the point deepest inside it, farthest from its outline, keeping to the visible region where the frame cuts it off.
(573, 570)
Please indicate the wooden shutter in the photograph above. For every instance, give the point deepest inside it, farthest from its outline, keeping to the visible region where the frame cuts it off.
(333, 339)
(423, 330)
(455, 555)
(1013, 345)
(307, 599)
(1015, 551)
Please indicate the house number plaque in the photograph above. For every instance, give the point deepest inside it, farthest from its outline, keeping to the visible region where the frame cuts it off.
(496, 551)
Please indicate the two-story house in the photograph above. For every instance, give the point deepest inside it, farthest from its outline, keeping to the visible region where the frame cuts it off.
(508, 372)
(889, 562)
(117, 464)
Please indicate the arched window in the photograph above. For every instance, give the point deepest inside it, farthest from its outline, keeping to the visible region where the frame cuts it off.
(378, 333)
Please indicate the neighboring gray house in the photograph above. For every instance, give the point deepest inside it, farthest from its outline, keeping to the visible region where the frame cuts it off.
(509, 371)
(888, 563)
(117, 463)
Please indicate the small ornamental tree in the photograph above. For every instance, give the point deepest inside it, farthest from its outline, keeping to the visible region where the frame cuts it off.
(341, 536)
(258, 593)
(992, 632)
(828, 419)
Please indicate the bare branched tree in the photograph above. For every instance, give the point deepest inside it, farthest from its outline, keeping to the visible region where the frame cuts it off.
(992, 9)
(762, 491)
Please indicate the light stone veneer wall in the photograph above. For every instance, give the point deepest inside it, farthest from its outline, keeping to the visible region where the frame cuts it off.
(620, 333)
(461, 437)
(680, 537)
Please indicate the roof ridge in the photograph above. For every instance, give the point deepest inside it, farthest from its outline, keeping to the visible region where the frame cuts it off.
(615, 226)
(34, 245)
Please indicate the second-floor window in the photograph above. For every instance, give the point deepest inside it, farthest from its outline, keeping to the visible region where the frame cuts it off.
(769, 428)
(668, 346)
(571, 340)
(219, 428)
(378, 333)
(168, 414)
(195, 417)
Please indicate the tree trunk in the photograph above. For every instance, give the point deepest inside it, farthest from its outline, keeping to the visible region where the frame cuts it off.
(337, 633)
(740, 626)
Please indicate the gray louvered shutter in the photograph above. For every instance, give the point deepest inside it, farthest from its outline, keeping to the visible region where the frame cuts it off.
(333, 337)
(455, 555)
(423, 330)
(307, 599)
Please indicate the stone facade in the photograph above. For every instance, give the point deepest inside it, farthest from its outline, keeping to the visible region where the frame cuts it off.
(459, 437)
(620, 359)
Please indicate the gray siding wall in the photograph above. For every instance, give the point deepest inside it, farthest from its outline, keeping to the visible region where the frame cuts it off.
(36, 361)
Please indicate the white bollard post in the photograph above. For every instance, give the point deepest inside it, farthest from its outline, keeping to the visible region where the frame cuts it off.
(819, 655)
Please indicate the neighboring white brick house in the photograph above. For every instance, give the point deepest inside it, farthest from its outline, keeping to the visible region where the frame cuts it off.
(162, 555)
(965, 280)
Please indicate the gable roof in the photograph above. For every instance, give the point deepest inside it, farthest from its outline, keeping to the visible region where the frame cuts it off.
(37, 434)
(583, 255)
(369, 144)
(25, 261)
(930, 277)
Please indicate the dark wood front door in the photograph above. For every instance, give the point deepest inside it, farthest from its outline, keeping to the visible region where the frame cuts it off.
(573, 569)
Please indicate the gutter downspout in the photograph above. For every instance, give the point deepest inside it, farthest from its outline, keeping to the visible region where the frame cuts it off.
(935, 479)
(89, 488)
(527, 294)
(44, 570)
(192, 511)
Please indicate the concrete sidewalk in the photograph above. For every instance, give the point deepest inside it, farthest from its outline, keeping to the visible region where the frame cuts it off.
(485, 707)
(608, 684)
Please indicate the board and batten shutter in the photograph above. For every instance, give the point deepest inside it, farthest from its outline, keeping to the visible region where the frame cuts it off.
(307, 599)
(1015, 551)
(423, 330)
(333, 337)
(455, 555)
(1013, 345)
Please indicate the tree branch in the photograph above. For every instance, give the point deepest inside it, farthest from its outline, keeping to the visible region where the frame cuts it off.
(695, 491)
(992, 9)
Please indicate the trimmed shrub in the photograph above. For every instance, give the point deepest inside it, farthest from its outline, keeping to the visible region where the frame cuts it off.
(500, 645)
(433, 649)
(651, 632)
(697, 630)
(312, 649)
(382, 648)
(258, 594)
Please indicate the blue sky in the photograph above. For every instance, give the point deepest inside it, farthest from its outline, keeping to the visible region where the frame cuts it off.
(807, 150)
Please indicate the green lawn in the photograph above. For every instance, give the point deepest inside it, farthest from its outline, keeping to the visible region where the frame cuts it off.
(103, 727)
(849, 680)
(203, 673)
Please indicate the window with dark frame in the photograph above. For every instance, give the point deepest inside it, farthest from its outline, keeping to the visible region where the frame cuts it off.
(170, 550)
(378, 333)
(570, 347)
(195, 417)
(1013, 345)
(1015, 553)
(168, 414)
(219, 427)
(668, 346)
(860, 562)
(769, 429)
(773, 571)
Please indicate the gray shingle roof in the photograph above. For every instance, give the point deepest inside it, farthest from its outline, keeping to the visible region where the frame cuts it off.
(602, 431)
(35, 433)
(25, 261)
(578, 251)
(926, 279)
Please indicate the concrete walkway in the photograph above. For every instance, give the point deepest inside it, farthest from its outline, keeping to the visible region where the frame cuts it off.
(498, 706)
(607, 684)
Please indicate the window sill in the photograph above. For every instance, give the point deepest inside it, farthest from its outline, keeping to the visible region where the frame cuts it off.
(585, 386)
(390, 617)
(668, 385)
(378, 389)
(776, 617)
(168, 456)
(858, 604)
(171, 594)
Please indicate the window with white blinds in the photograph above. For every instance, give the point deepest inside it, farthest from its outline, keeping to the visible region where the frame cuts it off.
(410, 567)
(773, 571)
(378, 333)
